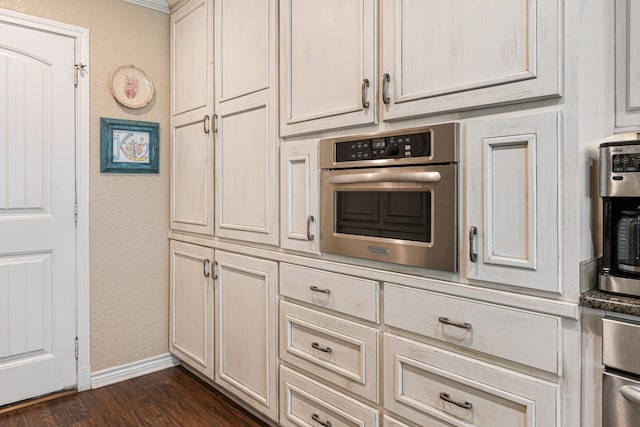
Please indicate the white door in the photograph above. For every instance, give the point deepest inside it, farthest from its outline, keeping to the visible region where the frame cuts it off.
(37, 228)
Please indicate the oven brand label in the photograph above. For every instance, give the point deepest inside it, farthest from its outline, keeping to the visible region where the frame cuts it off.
(378, 250)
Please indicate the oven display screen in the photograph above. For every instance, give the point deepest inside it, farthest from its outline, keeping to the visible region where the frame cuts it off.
(402, 215)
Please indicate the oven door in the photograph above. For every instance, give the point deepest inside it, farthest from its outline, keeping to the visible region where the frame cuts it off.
(621, 401)
(404, 215)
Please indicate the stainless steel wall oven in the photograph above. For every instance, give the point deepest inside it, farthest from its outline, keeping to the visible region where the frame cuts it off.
(392, 196)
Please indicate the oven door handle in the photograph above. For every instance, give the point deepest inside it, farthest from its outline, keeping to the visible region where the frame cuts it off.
(356, 178)
(632, 394)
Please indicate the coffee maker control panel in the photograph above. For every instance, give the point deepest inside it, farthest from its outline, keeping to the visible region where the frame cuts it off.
(626, 162)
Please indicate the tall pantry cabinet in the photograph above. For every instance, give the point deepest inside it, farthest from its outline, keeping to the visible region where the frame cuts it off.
(224, 191)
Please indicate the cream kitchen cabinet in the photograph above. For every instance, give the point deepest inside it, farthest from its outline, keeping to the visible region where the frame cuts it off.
(299, 211)
(445, 56)
(246, 121)
(191, 109)
(627, 65)
(432, 386)
(191, 305)
(245, 321)
(512, 181)
(327, 65)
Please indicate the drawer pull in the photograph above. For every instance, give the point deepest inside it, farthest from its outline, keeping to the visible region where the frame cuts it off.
(316, 418)
(447, 398)
(314, 288)
(446, 321)
(319, 347)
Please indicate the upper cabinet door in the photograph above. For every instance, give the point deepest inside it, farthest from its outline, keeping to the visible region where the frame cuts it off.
(327, 64)
(191, 120)
(453, 55)
(192, 58)
(246, 143)
(627, 65)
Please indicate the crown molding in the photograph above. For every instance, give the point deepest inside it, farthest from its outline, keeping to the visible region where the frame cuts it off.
(159, 5)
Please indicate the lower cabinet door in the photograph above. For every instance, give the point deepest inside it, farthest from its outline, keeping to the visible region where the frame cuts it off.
(424, 382)
(191, 305)
(245, 302)
(305, 402)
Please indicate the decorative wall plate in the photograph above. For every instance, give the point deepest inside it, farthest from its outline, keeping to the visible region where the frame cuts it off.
(131, 87)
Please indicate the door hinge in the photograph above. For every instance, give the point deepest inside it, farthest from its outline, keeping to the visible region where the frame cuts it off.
(76, 70)
(77, 346)
(75, 213)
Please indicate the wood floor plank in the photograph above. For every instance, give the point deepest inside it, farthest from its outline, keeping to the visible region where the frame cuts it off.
(172, 397)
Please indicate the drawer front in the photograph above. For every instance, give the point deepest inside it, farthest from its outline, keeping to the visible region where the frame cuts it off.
(345, 294)
(425, 382)
(508, 333)
(304, 402)
(337, 350)
(621, 345)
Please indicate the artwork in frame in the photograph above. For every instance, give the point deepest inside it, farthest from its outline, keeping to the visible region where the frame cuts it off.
(128, 146)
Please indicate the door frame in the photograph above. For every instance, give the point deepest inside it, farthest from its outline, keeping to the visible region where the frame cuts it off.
(82, 145)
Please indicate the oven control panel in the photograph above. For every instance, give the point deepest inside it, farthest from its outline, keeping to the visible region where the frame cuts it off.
(384, 147)
(628, 162)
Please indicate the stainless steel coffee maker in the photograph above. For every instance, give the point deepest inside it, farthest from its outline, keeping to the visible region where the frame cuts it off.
(620, 192)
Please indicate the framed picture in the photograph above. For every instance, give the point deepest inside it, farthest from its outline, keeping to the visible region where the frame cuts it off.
(128, 146)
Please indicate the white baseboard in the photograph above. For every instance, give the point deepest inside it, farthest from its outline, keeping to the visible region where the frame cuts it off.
(132, 370)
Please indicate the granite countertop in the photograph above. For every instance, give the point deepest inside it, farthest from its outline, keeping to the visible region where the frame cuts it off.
(595, 298)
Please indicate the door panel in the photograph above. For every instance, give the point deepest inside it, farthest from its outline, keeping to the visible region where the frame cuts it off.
(37, 197)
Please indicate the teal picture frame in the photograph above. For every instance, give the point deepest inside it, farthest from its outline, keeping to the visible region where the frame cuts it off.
(129, 146)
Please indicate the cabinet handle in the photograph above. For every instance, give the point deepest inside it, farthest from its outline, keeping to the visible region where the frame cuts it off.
(446, 321)
(314, 288)
(473, 240)
(206, 123)
(215, 123)
(447, 398)
(319, 347)
(316, 418)
(310, 236)
(205, 263)
(365, 86)
(386, 78)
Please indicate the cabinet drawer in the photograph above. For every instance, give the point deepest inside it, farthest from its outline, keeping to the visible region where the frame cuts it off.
(508, 333)
(338, 350)
(304, 402)
(345, 294)
(425, 382)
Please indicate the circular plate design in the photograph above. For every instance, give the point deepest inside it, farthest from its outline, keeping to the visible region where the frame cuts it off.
(131, 87)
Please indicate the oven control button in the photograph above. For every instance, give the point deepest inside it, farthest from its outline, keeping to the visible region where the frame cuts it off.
(393, 150)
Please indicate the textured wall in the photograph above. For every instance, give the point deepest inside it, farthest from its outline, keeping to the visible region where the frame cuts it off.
(129, 212)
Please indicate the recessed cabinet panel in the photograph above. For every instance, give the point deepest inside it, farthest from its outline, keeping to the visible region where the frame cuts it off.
(512, 190)
(439, 55)
(245, 321)
(299, 225)
(191, 305)
(627, 65)
(192, 76)
(246, 174)
(241, 47)
(327, 52)
(192, 178)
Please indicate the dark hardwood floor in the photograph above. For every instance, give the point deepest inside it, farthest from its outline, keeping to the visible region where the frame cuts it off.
(172, 397)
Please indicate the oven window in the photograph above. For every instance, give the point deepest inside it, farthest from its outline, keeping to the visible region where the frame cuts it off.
(402, 215)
